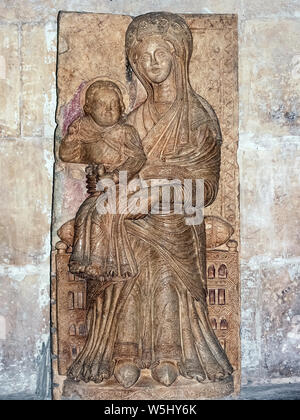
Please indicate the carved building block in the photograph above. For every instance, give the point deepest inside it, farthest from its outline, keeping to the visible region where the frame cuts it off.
(71, 309)
(96, 52)
(224, 301)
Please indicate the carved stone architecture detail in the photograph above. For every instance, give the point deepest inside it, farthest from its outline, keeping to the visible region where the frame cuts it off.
(144, 305)
(223, 299)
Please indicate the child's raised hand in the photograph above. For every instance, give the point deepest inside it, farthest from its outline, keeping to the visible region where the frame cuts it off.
(100, 170)
(89, 170)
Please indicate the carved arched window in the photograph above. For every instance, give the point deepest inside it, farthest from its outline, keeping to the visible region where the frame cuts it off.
(71, 277)
(223, 344)
(214, 324)
(221, 297)
(82, 329)
(222, 272)
(80, 303)
(211, 272)
(71, 300)
(72, 330)
(212, 296)
(74, 352)
(223, 324)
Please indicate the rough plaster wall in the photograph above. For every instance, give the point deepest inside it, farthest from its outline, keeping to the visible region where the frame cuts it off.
(269, 68)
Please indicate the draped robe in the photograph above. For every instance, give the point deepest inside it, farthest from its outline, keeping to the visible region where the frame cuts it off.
(161, 314)
(101, 238)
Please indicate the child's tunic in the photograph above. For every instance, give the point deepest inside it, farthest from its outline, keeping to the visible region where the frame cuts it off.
(101, 239)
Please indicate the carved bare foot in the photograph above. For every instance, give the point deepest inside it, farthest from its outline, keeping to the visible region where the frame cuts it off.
(190, 369)
(73, 376)
(126, 275)
(219, 376)
(76, 268)
(92, 372)
(74, 371)
(215, 374)
(125, 271)
(165, 373)
(111, 270)
(88, 371)
(127, 373)
(104, 372)
(93, 271)
(199, 375)
(110, 273)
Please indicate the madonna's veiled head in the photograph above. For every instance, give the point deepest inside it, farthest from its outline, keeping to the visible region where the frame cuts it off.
(169, 31)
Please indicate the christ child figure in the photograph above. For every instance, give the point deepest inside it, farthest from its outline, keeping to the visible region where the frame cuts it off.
(103, 140)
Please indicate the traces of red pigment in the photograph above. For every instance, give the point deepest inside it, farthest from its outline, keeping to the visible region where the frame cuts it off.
(72, 109)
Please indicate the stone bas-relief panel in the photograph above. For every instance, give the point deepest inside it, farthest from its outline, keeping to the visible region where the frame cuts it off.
(138, 313)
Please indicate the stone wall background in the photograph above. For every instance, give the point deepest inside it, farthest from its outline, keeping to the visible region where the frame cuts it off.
(269, 159)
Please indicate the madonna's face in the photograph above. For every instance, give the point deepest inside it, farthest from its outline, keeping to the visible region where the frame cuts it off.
(155, 60)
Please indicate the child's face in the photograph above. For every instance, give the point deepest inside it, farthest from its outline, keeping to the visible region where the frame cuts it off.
(105, 108)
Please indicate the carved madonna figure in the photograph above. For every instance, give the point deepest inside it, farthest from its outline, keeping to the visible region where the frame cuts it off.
(157, 319)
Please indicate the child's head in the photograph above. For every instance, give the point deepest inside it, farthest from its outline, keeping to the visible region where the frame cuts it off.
(104, 102)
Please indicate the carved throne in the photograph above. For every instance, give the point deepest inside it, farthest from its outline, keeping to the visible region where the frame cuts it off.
(222, 298)
(215, 53)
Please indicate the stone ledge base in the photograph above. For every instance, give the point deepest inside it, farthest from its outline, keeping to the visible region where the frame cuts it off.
(147, 389)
